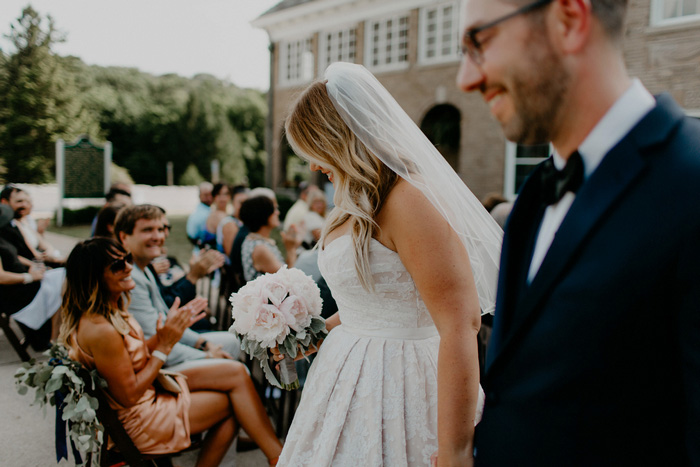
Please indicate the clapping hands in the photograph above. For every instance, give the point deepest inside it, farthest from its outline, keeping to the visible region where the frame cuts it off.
(178, 319)
(292, 238)
(206, 262)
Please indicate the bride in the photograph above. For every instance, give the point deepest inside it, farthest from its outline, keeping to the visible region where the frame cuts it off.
(411, 257)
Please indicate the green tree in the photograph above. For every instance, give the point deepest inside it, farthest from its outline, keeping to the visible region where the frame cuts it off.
(37, 101)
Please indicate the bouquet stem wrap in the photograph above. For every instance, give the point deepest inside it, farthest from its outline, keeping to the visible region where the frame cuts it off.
(283, 311)
(288, 374)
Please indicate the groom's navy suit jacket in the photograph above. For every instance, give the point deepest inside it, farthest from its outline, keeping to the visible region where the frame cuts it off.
(597, 361)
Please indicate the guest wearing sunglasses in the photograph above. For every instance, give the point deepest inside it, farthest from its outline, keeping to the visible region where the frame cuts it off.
(101, 334)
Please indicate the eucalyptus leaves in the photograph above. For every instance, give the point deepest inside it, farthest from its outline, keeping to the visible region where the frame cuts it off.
(56, 381)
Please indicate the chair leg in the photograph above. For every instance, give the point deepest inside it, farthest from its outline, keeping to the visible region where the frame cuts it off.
(16, 343)
(163, 462)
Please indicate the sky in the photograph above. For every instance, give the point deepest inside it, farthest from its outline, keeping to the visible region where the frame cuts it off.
(186, 37)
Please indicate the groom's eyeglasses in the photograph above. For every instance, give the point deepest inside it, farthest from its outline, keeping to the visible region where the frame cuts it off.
(118, 265)
(471, 45)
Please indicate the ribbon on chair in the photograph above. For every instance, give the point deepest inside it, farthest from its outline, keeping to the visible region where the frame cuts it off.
(61, 433)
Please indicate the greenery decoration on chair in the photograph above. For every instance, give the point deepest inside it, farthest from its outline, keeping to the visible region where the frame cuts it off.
(57, 382)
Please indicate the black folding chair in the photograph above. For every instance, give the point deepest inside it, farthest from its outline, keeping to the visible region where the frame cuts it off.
(19, 344)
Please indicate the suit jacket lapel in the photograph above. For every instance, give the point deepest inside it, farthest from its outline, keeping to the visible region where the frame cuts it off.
(597, 196)
(518, 243)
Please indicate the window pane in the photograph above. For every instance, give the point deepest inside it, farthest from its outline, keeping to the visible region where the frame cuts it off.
(670, 8)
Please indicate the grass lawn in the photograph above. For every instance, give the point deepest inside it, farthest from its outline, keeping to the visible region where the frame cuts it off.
(177, 243)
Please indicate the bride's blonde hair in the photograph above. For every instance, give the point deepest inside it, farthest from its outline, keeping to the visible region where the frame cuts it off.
(362, 182)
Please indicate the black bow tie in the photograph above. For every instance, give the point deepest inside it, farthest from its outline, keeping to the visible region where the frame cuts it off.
(555, 183)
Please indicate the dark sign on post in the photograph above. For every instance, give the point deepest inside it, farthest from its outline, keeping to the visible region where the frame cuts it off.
(82, 170)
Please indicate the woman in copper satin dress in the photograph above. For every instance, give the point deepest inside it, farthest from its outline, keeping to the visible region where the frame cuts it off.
(102, 335)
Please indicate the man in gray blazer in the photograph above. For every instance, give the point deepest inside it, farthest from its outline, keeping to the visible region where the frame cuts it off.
(141, 230)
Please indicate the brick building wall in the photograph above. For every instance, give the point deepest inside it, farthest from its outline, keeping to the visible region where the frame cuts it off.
(418, 89)
(665, 58)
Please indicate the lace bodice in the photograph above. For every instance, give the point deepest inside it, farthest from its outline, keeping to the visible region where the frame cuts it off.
(395, 302)
(370, 398)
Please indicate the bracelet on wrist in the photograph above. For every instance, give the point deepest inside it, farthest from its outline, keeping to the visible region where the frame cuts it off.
(159, 355)
(27, 278)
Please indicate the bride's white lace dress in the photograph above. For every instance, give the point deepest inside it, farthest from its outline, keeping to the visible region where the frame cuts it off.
(370, 398)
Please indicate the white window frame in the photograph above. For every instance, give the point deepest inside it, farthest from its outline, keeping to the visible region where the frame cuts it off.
(424, 34)
(348, 47)
(510, 167)
(369, 45)
(657, 15)
(305, 57)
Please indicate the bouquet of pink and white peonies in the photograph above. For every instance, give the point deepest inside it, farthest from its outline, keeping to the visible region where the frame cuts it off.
(280, 310)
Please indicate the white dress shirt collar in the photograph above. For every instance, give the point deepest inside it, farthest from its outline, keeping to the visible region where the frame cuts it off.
(625, 113)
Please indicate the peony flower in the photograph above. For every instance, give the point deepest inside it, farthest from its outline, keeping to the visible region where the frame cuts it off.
(278, 310)
(274, 290)
(270, 326)
(295, 307)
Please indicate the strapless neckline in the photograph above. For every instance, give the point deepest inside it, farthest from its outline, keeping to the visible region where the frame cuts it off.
(348, 236)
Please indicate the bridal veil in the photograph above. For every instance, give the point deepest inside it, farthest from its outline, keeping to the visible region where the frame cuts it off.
(381, 124)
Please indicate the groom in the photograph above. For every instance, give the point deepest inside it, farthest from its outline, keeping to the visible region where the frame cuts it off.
(595, 354)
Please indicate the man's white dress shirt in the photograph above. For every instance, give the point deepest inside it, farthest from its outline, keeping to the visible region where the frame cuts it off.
(627, 111)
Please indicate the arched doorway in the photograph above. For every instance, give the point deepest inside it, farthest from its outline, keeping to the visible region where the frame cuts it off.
(442, 127)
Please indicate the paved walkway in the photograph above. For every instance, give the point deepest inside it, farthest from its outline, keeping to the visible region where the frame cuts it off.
(27, 436)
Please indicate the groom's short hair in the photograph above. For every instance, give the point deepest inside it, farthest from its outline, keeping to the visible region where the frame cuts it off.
(610, 13)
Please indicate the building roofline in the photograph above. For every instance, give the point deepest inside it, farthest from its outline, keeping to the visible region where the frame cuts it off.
(294, 10)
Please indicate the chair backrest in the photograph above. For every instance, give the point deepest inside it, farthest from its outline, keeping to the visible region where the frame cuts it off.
(113, 428)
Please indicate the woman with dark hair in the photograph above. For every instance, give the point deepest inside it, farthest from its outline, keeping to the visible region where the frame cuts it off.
(101, 334)
(104, 226)
(259, 252)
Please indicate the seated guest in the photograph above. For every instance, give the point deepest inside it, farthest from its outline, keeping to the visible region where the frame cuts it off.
(230, 231)
(18, 200)
(102, 335)
(235, 262)
(198, 219)
(32, 237)
(296, 213)
(259, 252)
(220, 228)
(174, 282)
(141, 230)
(28, 292)
(104, 227)
(239, 193)
(312, 222)
(119, 193)
(168, 271)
